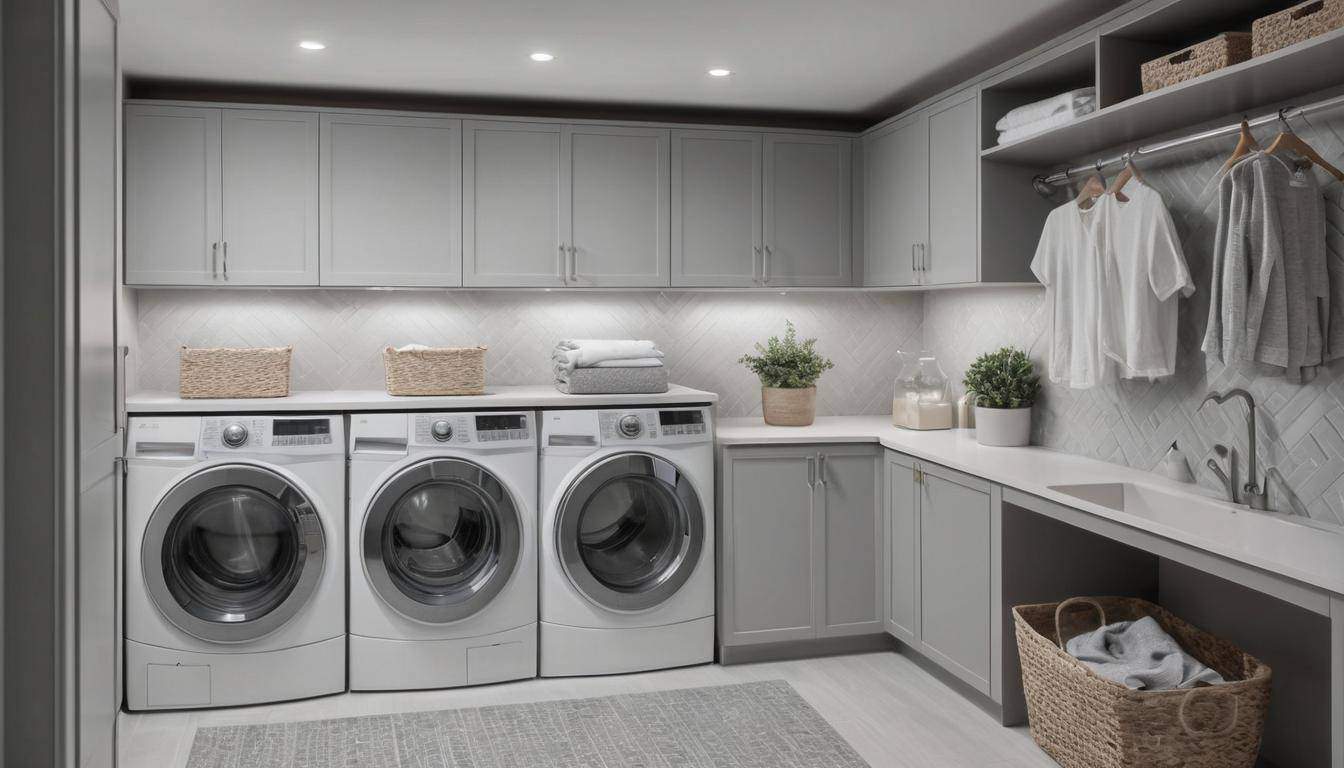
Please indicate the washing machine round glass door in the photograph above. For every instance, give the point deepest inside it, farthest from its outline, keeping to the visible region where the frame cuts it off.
(441, 538)
(629, 531)
(232, 552)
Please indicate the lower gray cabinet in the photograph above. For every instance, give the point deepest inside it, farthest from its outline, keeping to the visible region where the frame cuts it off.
(942, 533)
(800, 553)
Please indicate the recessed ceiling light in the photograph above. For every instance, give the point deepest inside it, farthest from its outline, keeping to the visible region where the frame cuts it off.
(541, 56)
(720, 72)
(312, 45)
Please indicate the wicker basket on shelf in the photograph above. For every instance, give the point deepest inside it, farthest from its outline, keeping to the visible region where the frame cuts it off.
(435, 371)
(1199, 59)
(1085, 721)
(234, 372)
(1293, 25)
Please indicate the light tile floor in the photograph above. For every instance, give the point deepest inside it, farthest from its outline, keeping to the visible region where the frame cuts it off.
(894, 713)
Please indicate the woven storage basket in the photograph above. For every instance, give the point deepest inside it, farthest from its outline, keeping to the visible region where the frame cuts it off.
(435, 371)
(1085, 721)
(1199, 59)
(230, 372)
(1293, 25)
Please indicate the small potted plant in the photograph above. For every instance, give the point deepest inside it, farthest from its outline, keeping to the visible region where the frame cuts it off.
(1005, 386)
(788, 371)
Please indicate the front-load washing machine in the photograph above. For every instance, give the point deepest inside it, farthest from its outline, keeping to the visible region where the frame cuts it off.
(235, 574)
(627, 540)
(443, 569)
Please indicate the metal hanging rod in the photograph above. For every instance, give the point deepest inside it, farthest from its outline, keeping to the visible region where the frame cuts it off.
(1046, 184)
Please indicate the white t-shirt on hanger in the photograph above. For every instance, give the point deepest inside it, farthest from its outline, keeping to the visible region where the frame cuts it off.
(1067, 263)
(1143, 268)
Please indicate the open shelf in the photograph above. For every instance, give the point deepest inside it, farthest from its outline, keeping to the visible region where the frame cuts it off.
(1312, 65)
(1067, 70)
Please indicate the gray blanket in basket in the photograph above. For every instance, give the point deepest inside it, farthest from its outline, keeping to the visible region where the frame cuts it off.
(612, 381)
(1141, 656)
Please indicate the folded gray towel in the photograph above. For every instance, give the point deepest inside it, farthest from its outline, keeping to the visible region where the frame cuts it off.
(612, 381)
(1141, 656)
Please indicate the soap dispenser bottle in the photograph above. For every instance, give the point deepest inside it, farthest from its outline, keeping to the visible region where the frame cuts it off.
(1175, 466)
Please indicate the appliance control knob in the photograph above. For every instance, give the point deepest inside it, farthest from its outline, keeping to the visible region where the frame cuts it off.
(630, 426)
(235, 435)
(441, 430)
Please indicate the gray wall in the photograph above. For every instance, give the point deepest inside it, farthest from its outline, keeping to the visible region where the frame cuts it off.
(338, 335)
(1133, 423)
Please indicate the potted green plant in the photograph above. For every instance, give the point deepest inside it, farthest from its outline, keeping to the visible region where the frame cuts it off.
(1005, 386)
(788, 370)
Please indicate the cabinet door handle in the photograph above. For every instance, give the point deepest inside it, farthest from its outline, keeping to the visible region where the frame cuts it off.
(821, 468)
(573, 263)
(214, 260)
(226, 259)
(913, 266)
(811, 472)
(924, 257)
(755, 278)
(765, 266)
(560, 270)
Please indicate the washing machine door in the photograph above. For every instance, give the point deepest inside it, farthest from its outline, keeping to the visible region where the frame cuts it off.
(232, 552)
(441, 538)
(629, 531)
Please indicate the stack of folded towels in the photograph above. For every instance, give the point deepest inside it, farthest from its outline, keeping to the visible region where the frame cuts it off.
(609, 367)
(1031, 119)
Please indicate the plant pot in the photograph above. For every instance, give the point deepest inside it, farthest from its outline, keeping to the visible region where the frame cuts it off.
(1002, 426)
(789, 407)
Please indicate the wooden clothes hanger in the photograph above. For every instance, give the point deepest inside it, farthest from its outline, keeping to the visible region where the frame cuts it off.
(1092, 188)
(1287, 140)
(1129, 171)
(1246, 144)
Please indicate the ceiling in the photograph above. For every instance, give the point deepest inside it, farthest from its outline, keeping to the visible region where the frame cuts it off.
(845, 57)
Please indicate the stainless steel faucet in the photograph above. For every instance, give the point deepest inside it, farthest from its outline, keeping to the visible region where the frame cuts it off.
(1254, 496)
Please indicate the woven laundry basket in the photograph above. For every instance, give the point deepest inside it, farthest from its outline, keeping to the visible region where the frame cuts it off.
(435, 371)
(1085, 721)
(234, 372)
(1293, 25)
(1199, 59)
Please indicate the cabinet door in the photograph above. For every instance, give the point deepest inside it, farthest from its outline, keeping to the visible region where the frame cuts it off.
(850, 541)
(902, 550)
(954, 159)
(807, 210)
(172, 194)
(716, 208)
(512, 180)
(896, 201)
(767, 574)
(270, 198)
(391, 201)
(619, 226)
(956, 605)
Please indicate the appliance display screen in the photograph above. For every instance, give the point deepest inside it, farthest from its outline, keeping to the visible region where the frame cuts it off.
(301, 427)
(678, 418)
(495, 422)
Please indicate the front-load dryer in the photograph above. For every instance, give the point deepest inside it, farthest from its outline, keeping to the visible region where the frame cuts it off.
(235, 568)
(627, 540)
(443, 568)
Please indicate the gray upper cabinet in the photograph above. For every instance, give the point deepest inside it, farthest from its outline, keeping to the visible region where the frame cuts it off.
(270, 213)
(512, 181)
(391, 205)
(801, 555)
(766, 575)
(850, 529)
(172, 168)
(717, 183)
(618, 224)
(902, 548)
(896, 202)
(807, 219)
(955, 582)
(953, 245)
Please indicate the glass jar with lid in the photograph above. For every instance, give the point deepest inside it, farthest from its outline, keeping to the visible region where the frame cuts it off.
(920, 397)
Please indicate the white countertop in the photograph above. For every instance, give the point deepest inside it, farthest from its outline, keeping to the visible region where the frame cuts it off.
(1307, 551)
(526, 396)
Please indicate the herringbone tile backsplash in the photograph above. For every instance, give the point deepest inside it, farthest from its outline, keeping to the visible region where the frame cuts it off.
(338, 335)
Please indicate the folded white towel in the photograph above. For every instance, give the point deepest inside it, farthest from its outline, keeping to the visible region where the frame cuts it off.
(413, 348)
(1054, 121)
(1039, 110)
(585, 353)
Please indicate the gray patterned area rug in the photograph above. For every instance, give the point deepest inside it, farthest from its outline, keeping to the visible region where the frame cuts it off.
(752, 725)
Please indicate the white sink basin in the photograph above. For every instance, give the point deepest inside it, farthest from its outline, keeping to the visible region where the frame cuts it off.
(1263, 538)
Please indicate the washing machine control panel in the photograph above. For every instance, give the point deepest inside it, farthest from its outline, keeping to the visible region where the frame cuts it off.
(489, 429)
(663, 425)
(288, 434)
